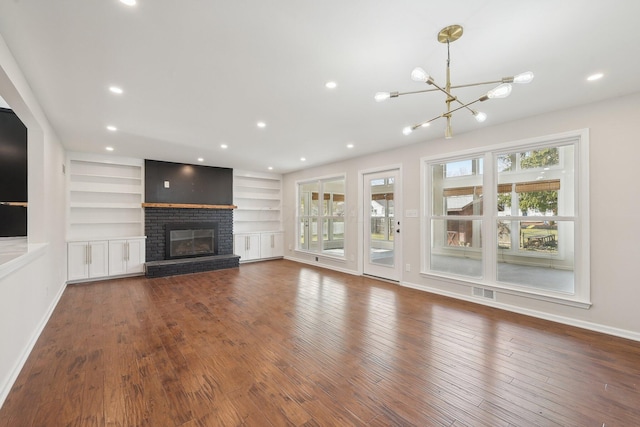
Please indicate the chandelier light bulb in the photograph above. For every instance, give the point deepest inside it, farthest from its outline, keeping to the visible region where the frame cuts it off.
(501, 91)
(419, 75)
(381, 96)
(523, 78)
(407, 130)
(480, 116)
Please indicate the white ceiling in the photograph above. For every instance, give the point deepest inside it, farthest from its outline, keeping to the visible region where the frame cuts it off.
(200, 73)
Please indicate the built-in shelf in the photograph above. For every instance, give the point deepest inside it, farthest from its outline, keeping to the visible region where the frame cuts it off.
(105, 196)
(258, 197)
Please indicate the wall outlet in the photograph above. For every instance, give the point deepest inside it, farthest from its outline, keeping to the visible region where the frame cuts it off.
(407, 267)
(166, 184)
(316, 258)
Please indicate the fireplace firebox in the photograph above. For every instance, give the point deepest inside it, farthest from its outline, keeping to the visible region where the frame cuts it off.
(191, 239)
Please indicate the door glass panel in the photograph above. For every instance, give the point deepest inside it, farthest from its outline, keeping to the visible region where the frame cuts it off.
(382, 230)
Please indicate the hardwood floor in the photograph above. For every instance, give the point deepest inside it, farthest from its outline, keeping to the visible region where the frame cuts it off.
(283, 344)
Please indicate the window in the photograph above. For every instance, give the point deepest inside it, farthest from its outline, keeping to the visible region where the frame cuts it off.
(528, 233)
(321, 212)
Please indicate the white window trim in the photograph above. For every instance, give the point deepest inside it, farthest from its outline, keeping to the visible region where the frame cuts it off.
(582, 291)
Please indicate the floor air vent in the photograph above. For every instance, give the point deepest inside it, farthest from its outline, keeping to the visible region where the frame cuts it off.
(484, 293)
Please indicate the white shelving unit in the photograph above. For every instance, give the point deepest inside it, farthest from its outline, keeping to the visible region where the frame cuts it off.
(104, 197)
(258, 197)
(105, 218)
(258, 216)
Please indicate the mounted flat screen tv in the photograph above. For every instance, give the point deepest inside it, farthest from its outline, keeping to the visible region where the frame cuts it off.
(167, 182)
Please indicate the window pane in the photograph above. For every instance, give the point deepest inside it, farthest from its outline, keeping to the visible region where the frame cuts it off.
(456, 247)
(334, 243)
(506, 162)
(542, 185)
(334, 195)
(314, 229)
(457, 187)
(539, 158)
(302, 230)
(463, 168)
(543, 257)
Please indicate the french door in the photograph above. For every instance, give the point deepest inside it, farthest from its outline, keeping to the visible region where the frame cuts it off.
(382, 228)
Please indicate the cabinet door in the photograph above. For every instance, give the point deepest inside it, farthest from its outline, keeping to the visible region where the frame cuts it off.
(271, 245)
(117, 257)
(98, 259)
(135, 256)
(247, 246)
(77, 260)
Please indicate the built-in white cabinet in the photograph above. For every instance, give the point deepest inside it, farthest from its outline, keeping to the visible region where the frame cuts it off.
(247, 246)
(271, 245)
(100, 259)
(257, 219)
(88, 260)
(105, 218)
(255, 246)
(126, 256)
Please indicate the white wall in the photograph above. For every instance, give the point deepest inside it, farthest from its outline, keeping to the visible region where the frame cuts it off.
(30, 290)
(615, 205)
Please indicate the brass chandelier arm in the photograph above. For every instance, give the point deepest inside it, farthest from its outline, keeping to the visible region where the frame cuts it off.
(448, 113)
(504, 80)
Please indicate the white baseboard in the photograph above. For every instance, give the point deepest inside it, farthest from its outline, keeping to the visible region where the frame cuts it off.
(596, 327)
(6, 387)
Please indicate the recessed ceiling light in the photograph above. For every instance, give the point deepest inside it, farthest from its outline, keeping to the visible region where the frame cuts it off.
(116, 89)
(261, 124)
(349, 145)
(128, 2)
(224, 146)
(270, 168)
(330, 85)
(108, 148)
(302, 159)
(200, 159)
(595, 77)
(112, 128)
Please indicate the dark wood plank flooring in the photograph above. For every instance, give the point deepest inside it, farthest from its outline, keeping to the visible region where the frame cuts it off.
(283, 344)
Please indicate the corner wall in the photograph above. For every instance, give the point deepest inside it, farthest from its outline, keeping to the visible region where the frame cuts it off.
(614, 154)
(31, 288)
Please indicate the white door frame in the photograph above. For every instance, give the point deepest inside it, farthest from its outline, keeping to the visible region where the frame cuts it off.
(396, 275)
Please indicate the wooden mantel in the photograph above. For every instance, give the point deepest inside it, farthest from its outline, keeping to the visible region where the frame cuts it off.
(186, 206)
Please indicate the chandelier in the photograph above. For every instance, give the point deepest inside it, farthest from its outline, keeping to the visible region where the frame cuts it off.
(448, 35)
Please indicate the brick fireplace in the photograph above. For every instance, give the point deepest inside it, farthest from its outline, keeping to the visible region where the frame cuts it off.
(159, 219)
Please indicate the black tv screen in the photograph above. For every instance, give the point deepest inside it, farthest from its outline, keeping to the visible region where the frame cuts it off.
(167, 182)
